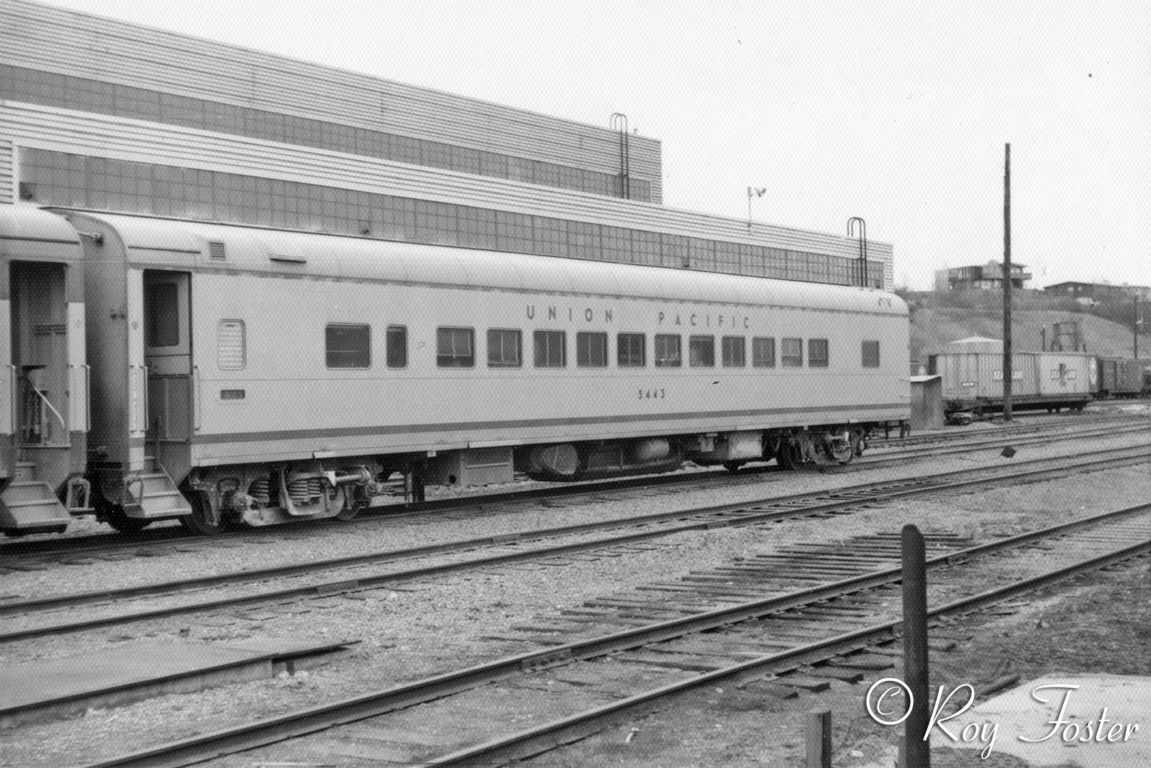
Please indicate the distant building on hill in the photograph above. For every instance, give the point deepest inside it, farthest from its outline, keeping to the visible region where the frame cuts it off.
(986, 277)
(1098, 293)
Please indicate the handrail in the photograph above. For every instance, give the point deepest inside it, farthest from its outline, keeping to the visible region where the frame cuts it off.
(13, 403)
(87, 398)
(196, 406)
(144, 385)
(52, 408)
(131, 398)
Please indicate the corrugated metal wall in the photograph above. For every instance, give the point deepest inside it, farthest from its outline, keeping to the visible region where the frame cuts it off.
(105, 136)
(77, 44)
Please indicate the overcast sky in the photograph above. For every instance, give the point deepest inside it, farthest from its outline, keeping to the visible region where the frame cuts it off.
(894, 111)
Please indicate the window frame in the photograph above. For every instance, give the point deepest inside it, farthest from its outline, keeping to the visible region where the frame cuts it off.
(389, 348)
(581, 337)
(515, 333)
(668, 362)
(757, 345)
(328, 351)
(468, 362)
(544, 333)
(814, 361)
(730, 344)
(701, 343)
(620, 347)
(790, 360)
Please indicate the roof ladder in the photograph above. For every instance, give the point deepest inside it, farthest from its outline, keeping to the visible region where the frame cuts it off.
(619, 123)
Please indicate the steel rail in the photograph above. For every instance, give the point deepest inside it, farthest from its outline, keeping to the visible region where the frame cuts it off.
(550, 735)
(78, 545)
(297, 569)
(303, 723)
(377, 580)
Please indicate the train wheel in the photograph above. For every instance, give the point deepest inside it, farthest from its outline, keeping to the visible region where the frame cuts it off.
(732, 466)
(113, 515)
(124, 524)
(788, 456)
(201, 522)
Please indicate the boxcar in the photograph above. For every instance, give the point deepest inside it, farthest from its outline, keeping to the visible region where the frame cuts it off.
(973, 381)
(1124, 377)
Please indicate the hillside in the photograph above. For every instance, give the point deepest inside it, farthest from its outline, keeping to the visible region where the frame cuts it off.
(936, 320)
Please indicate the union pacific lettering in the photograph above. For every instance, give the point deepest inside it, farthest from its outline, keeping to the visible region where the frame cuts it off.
(704, 320)
(569, 314)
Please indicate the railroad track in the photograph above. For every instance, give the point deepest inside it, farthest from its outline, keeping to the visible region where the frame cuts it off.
(494, 551)
(566, 692)
(1023, 424)
(73, 548)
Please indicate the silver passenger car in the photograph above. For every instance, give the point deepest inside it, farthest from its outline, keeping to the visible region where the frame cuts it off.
(264, 376)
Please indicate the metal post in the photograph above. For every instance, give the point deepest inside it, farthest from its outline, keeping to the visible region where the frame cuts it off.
(916, 751)
(818, 739)
(862, 246)
(1007, 372)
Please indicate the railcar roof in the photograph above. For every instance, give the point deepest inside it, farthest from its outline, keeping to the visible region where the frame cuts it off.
(29, 232)
(320, 255)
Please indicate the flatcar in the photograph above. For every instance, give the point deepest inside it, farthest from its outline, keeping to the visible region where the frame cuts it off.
(973, 380)
(260, 376)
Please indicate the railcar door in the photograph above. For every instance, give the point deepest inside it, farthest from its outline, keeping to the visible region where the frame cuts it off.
(168, 359)
(40, 354)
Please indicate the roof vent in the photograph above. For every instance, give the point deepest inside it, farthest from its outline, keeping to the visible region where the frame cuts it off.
(216, 250)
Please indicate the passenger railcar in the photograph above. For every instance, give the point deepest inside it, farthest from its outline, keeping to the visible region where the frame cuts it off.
(43, 376)
(263, 376)
(973, 381)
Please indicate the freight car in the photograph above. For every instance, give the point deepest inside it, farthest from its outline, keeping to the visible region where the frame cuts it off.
(262, 376)
(973, 380)
(1124, 377)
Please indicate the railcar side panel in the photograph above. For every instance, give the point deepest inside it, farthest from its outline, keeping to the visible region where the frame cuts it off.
(286, 401)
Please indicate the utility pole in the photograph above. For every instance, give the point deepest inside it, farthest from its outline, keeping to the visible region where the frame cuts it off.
(1007, 372)
(1135, 323)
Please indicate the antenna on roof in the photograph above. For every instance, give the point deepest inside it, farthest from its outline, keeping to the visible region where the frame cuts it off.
(758, 192)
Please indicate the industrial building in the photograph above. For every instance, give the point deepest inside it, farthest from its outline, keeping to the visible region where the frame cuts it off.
(104, 115)
(980, 277)
(1099, 293)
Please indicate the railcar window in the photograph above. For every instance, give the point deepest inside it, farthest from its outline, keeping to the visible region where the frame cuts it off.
(871, 354)
(701, 351)
(455, 347)
(591, 349)
(817, 353)
(667, 351)
(763, 352)
(550, 349)
(791, 353)
(348, 346)
(397, 343)
(163, 314)
(231, 346)
(734, 352)
(631, 350)
(504, 348)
